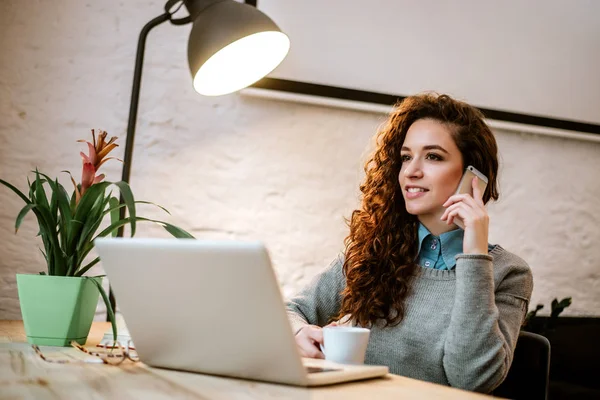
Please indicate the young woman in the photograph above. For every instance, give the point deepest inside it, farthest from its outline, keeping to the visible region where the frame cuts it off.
(443, 305)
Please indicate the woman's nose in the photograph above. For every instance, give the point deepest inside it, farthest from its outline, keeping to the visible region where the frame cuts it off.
(413, 169)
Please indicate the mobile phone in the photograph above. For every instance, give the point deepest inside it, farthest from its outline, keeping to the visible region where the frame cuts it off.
(465, 186)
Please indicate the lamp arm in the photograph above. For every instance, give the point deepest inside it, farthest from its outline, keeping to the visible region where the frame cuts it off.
(135, 96)
(133, 109)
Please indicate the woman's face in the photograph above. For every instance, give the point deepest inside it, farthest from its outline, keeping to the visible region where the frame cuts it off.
(432, 166)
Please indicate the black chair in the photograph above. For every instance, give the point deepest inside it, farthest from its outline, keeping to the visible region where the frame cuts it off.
(528, 375)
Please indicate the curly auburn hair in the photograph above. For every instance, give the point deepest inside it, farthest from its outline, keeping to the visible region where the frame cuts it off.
(381, 247)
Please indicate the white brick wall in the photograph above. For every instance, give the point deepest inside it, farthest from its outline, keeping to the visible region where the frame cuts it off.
(239, 167)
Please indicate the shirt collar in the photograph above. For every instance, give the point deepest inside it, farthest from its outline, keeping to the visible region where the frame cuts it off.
(451, 243)
(423, 233)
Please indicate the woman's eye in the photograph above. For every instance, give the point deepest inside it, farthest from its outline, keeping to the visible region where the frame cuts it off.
(404, 158)
(433, 156)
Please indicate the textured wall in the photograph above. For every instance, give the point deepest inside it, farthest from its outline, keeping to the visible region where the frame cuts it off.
(247, 168)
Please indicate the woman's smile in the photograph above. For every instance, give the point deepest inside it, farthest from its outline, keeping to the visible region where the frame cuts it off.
(415, 192)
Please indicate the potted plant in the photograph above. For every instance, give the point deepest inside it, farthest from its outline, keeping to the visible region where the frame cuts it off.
(548, 326)
(58, 304)
(533, 323)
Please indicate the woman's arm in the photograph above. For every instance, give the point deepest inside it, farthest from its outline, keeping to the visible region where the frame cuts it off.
(320, 300)
(485, 323)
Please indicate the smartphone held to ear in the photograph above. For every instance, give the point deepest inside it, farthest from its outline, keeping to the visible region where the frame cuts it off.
(465, 186)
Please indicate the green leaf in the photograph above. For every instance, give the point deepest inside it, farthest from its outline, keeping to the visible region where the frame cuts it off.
(117, 206)
(40, 194)
(45, 220)
(559, 307)
(30, 189)
(22, 214)
(82, 212)
(89, 198)
(73, 203)
(92, 221)
(54, 205)
(64, 209)
(172, 229)
(176, 231)
(73, 200)
(85, 269)
(114, 226)
(90, 226)
(84, 251)
(48, 248)
(564, 303)
(71, 264)
(127, 196)
(17, 191)
(109, 310)
(63, 203)
(154, 204)
(114, 211)
(61, 196)
(33, 187)
(48, 229)
(50, 239)
(45, 256)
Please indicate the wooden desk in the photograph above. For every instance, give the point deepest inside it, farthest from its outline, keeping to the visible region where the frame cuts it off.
(23, 375)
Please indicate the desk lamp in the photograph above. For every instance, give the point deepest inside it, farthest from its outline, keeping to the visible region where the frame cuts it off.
(231, 46)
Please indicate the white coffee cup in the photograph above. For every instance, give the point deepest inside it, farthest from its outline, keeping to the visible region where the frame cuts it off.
(345, 344)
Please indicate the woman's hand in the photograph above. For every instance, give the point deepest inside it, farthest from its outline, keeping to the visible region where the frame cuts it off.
(309, 339)
(472, 212)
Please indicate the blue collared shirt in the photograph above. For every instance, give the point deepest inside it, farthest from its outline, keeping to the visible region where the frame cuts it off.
(438, 251)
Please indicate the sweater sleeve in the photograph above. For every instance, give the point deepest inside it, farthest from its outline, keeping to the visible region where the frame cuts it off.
(485, 322)
(320, 300)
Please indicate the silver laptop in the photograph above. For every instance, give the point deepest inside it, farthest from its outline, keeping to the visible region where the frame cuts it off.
(212, 307)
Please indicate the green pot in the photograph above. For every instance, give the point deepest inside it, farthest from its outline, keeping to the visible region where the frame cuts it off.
(57, 309)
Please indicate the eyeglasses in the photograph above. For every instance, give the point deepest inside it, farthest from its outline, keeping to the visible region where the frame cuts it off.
(114, 355)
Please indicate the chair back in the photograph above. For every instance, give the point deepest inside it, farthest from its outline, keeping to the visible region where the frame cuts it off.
(529, 373)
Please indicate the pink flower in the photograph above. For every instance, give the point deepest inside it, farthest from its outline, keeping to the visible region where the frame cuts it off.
(98, 150)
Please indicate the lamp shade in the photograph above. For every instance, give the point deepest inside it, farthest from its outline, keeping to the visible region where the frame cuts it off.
(231, 46)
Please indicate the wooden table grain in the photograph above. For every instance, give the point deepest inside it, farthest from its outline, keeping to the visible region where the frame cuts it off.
(24, 375)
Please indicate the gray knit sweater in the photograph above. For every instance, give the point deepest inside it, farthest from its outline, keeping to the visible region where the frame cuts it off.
(460, 327)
